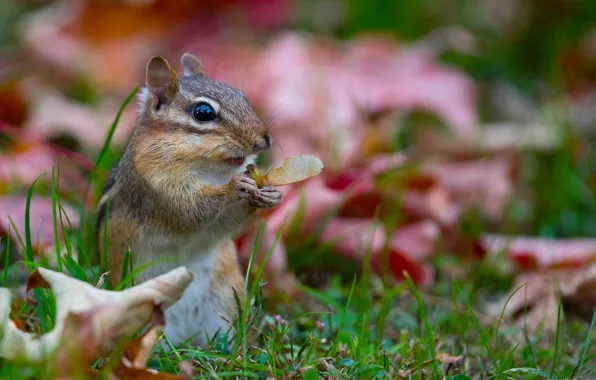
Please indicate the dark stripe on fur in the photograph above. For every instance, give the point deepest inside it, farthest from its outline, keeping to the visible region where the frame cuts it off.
(101, 213)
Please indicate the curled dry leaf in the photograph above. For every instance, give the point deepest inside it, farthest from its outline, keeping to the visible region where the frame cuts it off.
(89, 321)
(294, 169)
(448, 358)
(133, 362)
(448, 361)
(535, 305)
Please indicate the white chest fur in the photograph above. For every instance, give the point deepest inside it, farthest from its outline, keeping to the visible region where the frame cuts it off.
(199, 310)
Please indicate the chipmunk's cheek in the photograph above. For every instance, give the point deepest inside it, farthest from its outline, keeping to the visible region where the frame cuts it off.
(186, 153)
(195, 148)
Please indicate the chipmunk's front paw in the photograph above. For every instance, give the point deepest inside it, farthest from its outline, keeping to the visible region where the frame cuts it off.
(246, 188)
(267, 197)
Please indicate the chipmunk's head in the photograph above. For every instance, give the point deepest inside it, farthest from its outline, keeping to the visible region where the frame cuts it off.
(190, 120)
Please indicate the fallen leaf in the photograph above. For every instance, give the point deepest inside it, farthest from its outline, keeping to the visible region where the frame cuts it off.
(483, 183)
(535, 304)
(532, 252)
(416, 240)
(133, 363)
(448, 358)
(27, 156)
(53, 114)
(90, 322)
(323, 105)
(41, 221)
(437, 204)
(137, 352)
(578, 290)
(406, 250)
(111, 53)
(13, 104)
(493, 138)
(294, 169)
(448, 361)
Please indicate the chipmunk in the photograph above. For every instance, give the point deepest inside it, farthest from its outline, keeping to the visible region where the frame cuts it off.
(179, 193)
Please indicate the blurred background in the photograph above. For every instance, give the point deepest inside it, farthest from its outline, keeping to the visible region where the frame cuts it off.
(449, 123)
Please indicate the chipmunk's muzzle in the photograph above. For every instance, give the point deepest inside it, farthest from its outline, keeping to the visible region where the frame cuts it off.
(263, 143)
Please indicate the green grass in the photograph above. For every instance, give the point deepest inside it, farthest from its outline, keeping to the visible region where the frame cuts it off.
(371, 329)
(394, 333)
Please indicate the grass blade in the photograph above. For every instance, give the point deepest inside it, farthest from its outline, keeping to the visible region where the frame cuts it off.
(55, 219)
(102, 154)
(578, 366)
(6, 259)
(556, 350)
(28, 242)
(428, 335)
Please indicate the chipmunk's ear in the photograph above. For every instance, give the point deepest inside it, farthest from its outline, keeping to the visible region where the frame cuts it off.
(191, 65)
(161, 78)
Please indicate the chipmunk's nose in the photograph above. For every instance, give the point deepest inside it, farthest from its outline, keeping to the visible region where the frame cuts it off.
(263, 143)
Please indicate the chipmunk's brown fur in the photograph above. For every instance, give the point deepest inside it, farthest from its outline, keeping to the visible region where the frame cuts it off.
(178, 193)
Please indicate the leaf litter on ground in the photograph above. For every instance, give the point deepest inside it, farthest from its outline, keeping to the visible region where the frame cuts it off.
(89, 322)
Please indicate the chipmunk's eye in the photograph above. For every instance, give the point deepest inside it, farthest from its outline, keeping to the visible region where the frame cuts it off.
(203, 112)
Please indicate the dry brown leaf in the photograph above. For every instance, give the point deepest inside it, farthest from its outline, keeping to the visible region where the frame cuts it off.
(294, 169)
(133, 362)
(137, 352)
(447, 358)
(449, 361)
(535, 304)
(89, 321)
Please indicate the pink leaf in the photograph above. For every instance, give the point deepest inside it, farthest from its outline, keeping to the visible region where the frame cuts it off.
(407, 250)
(323, 96)
(42, 227)
(539, 252)
(485, 183)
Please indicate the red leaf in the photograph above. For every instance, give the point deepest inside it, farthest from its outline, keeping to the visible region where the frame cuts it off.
(407, 249)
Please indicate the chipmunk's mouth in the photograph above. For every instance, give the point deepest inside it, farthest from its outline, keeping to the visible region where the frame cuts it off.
(236, 161)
